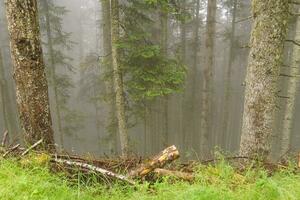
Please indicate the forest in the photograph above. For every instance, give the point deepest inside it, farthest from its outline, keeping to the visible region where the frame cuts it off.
(149, 99)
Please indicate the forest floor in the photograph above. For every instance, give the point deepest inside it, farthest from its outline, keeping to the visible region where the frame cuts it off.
(32, 178)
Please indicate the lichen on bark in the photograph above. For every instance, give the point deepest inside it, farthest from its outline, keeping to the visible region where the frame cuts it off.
(267, 43)
(29, 74)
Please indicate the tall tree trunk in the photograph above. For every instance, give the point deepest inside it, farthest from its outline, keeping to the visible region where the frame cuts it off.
(53, 71)
(164, 47)
(190, 91)
(225, 138)
(117, 76)
(29, 72)
(292, 94)
(207, 75)
(265, 59)
(107, 49)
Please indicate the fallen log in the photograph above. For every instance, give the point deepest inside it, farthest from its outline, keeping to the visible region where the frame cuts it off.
(95, 169)
(166, 156)
(177, 174)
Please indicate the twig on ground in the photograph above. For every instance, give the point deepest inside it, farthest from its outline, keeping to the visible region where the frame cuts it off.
(95, 169)
(32, 147)
(11, 150)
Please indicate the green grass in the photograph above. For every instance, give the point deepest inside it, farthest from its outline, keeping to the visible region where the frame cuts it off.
(34, 181)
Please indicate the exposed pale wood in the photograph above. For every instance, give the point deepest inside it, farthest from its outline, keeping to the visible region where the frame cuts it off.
(95, 169)
(177, 174)
(32, 147)
(11, 150)
(166, 156)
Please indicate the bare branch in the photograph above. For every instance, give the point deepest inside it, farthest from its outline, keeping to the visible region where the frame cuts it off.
(11, 150)
(32, 147)
(294, 42)
(95, 169)
(243, 19)
(283, 97)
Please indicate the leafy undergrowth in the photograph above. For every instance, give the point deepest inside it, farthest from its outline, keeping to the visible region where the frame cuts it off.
(31, 179)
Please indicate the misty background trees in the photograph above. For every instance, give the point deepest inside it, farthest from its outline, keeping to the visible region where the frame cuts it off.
(136, 76)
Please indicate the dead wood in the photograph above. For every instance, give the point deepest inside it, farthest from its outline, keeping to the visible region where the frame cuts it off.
(177, 174)
(159, 161)
(104, 172)
(10, 150)
(32, 147)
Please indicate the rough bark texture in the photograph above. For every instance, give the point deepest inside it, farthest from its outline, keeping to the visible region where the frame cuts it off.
(292, 93)
(207, 74)
(53, 71)
(29, 74)
(117, 76)
(168, 155)
(265, 59)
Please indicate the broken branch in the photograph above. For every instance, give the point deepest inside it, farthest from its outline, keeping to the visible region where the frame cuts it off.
(11, 150)
(95, 169)
(32, 147)
(166, 156)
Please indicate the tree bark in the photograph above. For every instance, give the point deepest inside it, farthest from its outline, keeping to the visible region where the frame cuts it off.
(166, 156)
(117, 76)
(190, 91)
(265, 59)
(164, 47)
(207, 74)
(292, 94)
(29, 72)
(107, 49)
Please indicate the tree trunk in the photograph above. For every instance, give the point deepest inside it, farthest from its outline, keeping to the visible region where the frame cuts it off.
(207, 75)
(292, 94)
(265, 59)
(107, 49)
(53, 71)
(29, 72)
(190, 91)
(117, 76)
(164, 47)
(225, 136)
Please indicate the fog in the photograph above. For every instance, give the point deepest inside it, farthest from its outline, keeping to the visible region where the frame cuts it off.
(86, 118)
